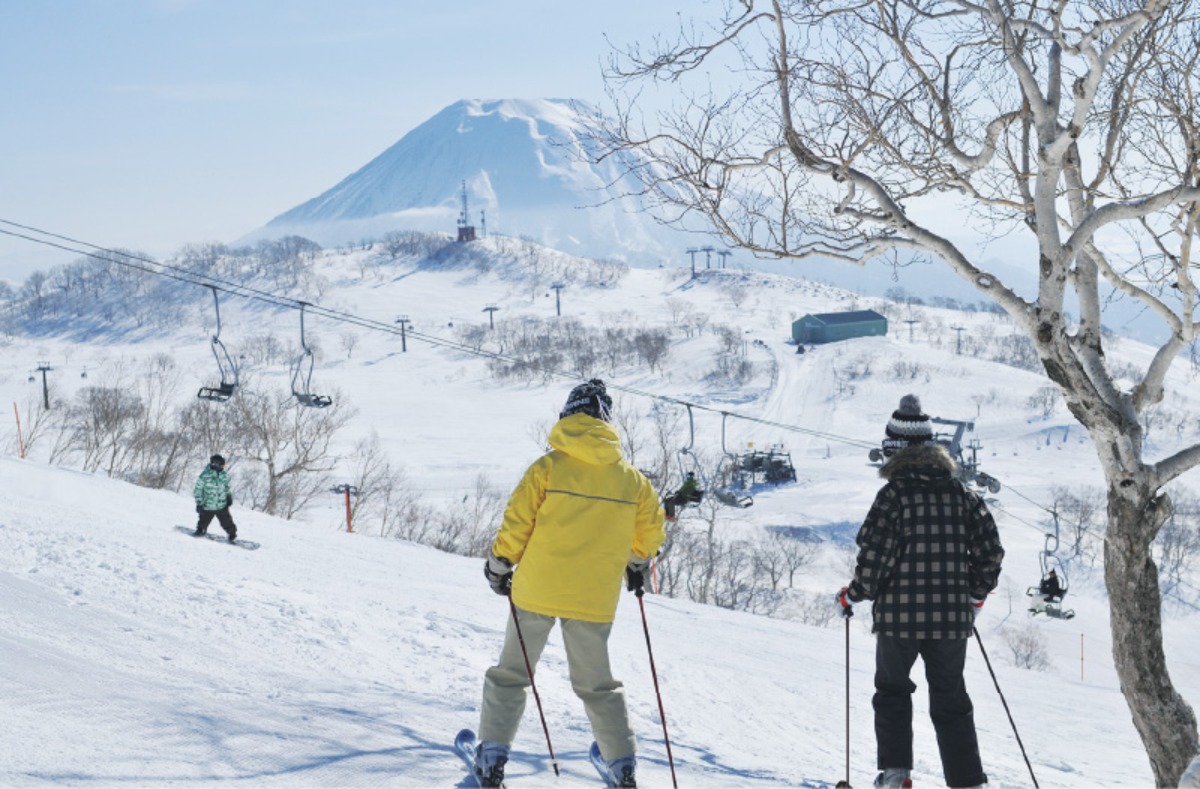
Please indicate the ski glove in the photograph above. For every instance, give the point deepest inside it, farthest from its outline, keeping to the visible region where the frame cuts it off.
(976, 607)
(498, 572)
(199, 508)
(845, 606)
(635, 575)
(229, 500)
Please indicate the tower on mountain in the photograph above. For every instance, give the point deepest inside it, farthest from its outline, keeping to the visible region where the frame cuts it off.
(466, 231)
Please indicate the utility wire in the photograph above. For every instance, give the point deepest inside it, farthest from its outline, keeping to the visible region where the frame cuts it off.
(188, 276)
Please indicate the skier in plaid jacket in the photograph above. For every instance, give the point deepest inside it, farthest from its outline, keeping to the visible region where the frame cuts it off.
(929, 554)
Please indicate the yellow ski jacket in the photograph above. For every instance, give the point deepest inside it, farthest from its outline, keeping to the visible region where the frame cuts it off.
(573, 522)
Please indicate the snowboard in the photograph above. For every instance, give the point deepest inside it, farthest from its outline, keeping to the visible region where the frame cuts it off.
(464, 746)
(249, 545)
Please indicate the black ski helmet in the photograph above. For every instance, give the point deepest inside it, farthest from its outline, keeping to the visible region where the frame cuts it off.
(216, 461)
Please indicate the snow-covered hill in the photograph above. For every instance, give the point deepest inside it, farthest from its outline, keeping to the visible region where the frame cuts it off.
(527, 173)
(136, 656)
(132, 655)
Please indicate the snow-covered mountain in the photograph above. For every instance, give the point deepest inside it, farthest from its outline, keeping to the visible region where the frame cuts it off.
(527, 173)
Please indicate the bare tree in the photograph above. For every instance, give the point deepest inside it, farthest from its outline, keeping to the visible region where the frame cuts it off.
(207, 427)
(849, 129)
(737, 294)
(665, 443)
(102, 421)
(1044, 400)
(291, 444)
(733, 571)
(797, 554)
(372, 475)
(812, 608)
(480, 512)
(679, 308)
(1080, 521)
(1178, 544)
(158, 446)
(1027, 646)
(34, 424)
(627, 419)
(652, 346)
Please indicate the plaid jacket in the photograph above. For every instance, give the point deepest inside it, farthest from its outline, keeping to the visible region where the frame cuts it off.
(927, 546)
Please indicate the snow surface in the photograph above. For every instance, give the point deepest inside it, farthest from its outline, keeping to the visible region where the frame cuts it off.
(131, 655)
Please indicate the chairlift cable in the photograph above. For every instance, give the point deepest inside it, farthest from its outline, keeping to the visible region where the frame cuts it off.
(997, 505)
(186, 276)
(1031, 501)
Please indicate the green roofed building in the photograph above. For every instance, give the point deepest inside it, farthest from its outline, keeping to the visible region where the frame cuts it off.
(834, 326)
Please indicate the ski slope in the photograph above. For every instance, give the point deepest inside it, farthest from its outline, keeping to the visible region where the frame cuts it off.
(135, 656)
(131, 655)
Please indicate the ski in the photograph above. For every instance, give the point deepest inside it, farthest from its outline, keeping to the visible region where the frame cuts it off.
(249, 545)
(464, 745)
(599, 763)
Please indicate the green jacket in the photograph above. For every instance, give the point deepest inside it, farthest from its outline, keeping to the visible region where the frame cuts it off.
(212, 490)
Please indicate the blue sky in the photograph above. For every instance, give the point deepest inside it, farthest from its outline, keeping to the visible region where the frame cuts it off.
(148, 124)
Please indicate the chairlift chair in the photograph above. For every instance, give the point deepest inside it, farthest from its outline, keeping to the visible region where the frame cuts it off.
(1040, 602)
(225, 364)
(689, 466)
(303, 394)
(729, 494)
(779, 466)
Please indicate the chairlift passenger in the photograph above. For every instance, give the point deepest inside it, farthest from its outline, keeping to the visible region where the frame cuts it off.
(1047, 597)
(692, 490)
(1050, 587)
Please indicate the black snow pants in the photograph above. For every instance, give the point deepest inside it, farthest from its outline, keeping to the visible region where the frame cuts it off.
(949, 705)
(223, 517)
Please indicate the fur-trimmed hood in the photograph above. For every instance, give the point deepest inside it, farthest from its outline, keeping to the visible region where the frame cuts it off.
(920, 458)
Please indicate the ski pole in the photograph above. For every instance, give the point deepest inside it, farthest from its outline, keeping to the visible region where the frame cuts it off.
(529, 670)
(1006, 710)
(654, 674)
(846, 783)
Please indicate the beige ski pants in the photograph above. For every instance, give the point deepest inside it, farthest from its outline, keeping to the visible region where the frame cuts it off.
(586, 645)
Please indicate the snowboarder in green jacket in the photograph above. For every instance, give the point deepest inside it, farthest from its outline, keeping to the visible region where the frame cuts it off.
(213, 498)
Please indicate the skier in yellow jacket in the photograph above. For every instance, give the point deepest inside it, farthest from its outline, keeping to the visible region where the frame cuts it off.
(580, 520)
